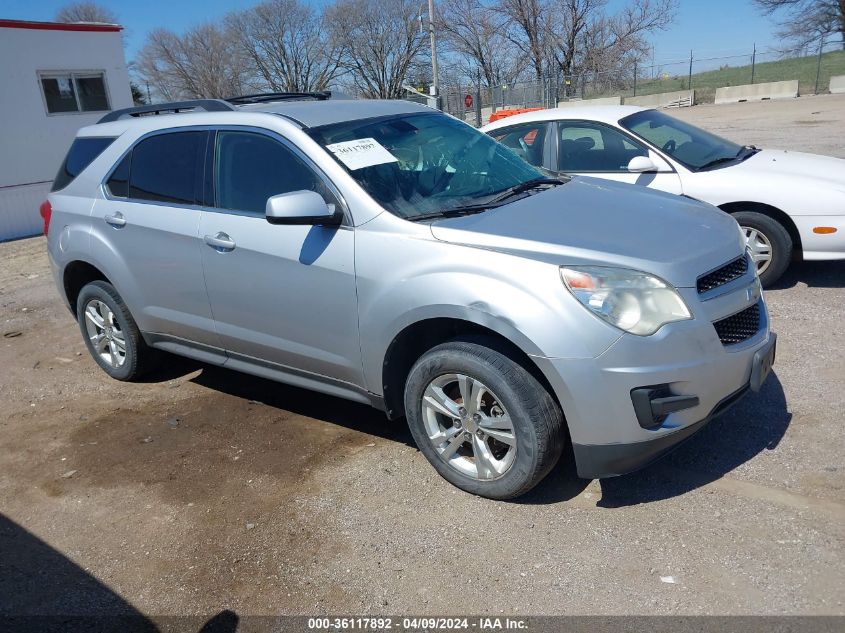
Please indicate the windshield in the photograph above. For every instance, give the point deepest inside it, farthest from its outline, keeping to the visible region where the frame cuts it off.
(689, 145)
(421, 164)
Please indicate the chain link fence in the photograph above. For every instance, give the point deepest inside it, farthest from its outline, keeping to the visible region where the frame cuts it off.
(812, 66)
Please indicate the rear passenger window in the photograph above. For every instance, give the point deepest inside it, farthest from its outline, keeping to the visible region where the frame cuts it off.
(118, 182)
(250, 168)
(81, 154)
(167, 168)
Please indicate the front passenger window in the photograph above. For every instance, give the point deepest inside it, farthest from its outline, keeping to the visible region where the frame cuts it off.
(592, 147)
(249, 168)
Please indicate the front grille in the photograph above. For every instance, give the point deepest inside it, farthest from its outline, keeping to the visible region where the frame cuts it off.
(719, 277)
(740, 326)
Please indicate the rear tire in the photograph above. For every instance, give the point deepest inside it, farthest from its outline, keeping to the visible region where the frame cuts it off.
(111, 334)
(507, 438)
(766, 235)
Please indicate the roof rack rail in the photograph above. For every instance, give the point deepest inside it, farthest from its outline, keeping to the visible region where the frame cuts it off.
(264, 97)
(209, 105)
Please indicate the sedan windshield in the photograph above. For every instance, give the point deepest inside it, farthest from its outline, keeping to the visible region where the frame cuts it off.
(422, 165)
(691, 146)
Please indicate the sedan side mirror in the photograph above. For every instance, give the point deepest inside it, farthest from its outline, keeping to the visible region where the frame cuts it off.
(641, 164)
(302, 207)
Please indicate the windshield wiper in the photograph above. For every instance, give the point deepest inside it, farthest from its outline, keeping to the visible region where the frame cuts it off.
(522, 187)
(496, 201)
(747, 152)
(452, 213)
(744, 152)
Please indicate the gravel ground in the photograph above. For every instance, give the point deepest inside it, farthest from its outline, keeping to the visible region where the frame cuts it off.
(809, 124)
(202, 489)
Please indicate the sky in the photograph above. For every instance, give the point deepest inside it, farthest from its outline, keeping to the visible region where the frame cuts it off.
(711, 28)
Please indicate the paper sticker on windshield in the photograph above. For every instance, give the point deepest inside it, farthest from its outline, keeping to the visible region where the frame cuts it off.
(364, 152)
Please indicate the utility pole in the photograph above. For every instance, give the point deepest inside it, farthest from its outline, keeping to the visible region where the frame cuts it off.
(689, 81)
(819, 62)
(753, 61)
(434, 82)
(635, 79)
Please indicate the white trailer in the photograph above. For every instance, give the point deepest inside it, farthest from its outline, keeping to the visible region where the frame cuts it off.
(54, 79)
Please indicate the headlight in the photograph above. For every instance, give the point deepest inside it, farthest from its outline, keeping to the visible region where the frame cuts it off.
(631, 300)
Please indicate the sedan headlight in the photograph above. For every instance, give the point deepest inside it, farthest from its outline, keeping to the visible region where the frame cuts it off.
(631, 300)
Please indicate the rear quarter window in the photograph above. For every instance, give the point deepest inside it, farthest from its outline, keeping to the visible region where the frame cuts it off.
(81, 154)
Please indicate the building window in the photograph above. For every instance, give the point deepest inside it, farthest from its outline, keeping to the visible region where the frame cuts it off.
(74, 92)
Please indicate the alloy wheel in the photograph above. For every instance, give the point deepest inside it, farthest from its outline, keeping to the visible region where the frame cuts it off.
(469, 426)
(104, 331)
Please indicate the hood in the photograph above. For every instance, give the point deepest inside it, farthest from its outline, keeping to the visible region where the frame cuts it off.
(783, 164)
(597, 221)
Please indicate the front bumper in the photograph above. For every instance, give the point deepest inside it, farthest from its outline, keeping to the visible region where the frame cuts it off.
(687, 358)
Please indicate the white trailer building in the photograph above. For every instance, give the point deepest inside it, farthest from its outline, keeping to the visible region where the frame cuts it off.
(54, 79)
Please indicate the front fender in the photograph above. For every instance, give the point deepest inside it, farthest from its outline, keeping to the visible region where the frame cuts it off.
(405, 279)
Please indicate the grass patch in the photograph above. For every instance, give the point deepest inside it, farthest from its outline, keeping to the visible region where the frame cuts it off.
(705, 83)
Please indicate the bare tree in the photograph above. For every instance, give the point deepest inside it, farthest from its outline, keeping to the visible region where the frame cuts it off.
(805, 21)
(204, 62)
(585, 36)
(288, 45)
(476, 35)
(86, 12)
(527, 27)
(381, 41)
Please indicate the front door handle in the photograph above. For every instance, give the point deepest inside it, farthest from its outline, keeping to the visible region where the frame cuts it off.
(221, 242)
(116, 220)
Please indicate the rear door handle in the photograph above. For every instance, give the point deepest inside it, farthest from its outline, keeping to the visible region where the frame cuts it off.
(221, 242)
(116, 220)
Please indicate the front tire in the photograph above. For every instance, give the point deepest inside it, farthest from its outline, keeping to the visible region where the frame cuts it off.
(111, 334)
(484, 422)
(769, 242)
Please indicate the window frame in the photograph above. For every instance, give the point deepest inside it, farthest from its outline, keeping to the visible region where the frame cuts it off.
(211, 157)
(207, 186)
(200, 188)
(73, 75)
(588, 122)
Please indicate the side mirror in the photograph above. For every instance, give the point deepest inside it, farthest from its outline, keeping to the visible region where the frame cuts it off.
(641, 164)
(302, 207)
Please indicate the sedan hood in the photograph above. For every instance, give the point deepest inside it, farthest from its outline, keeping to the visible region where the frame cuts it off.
(790, 165)
(602, 222)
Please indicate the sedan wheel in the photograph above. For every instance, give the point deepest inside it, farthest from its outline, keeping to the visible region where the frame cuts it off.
(768, 242)
(468, 426)
(759, 247)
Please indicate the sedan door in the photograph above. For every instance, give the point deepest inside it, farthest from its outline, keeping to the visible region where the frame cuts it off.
(280, 294)
(588, 148)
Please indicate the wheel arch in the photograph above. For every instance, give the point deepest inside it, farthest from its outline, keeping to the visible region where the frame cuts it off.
(75, 276)
(773, 212)
(417, 338)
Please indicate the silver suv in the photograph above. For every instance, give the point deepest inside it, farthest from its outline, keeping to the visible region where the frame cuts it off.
(387, 253)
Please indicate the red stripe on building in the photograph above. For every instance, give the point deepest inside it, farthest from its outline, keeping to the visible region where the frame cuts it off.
(58, 26)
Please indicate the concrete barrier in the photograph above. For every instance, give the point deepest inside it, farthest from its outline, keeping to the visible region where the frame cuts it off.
(590, 102)
(837, 84)
(758, 92)
(683, 98)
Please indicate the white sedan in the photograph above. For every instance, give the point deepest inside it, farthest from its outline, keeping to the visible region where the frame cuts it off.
(791, 205)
